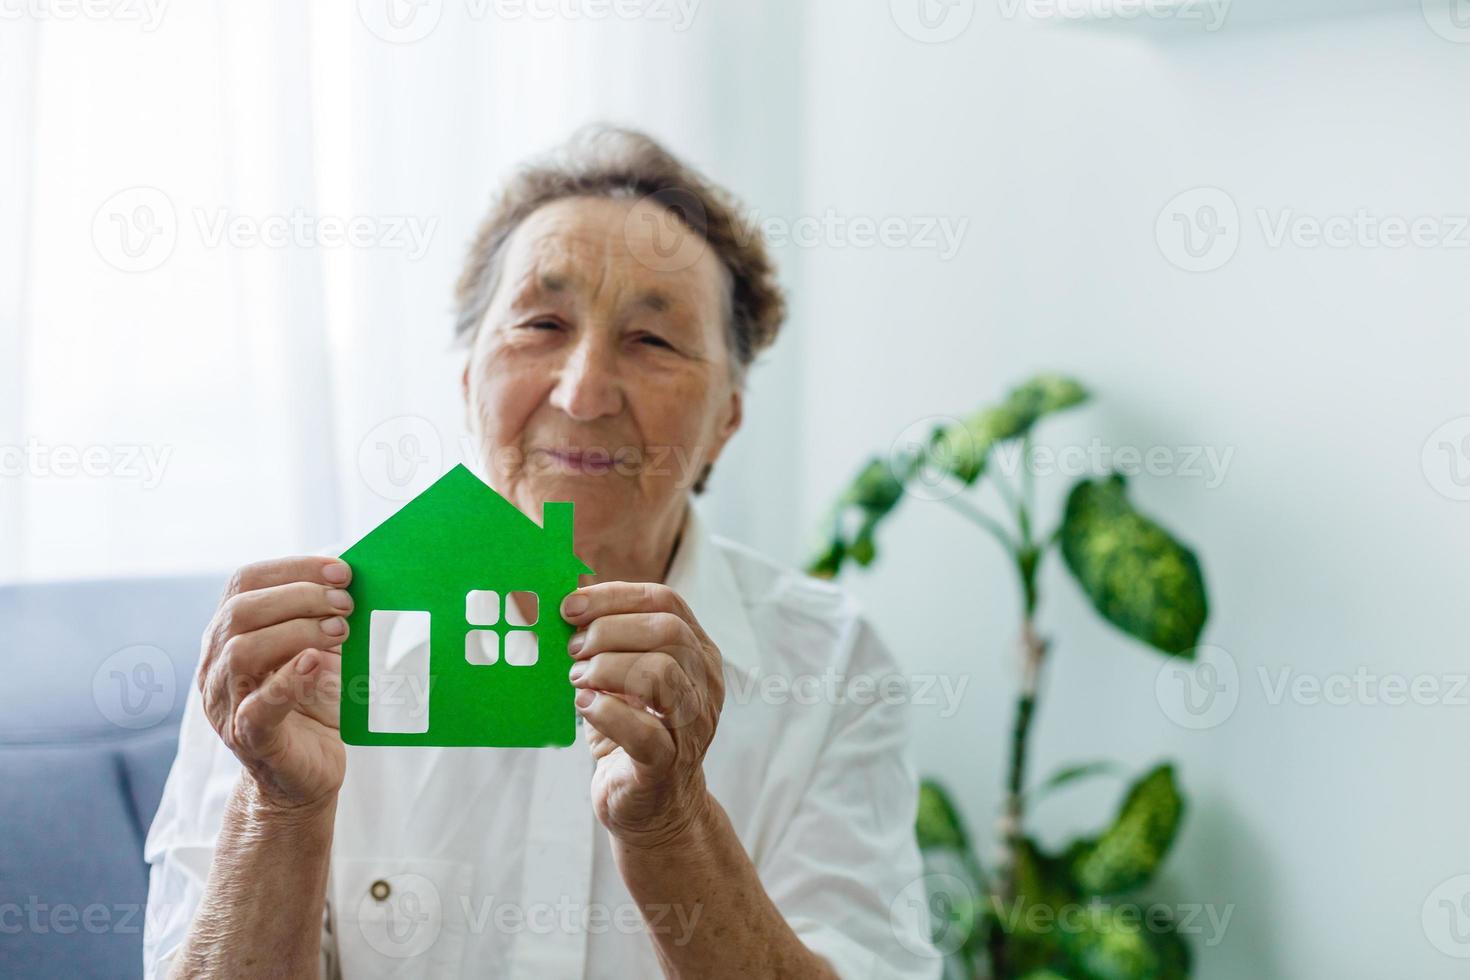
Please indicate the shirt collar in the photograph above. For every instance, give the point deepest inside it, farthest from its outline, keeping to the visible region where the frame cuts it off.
(702, 575)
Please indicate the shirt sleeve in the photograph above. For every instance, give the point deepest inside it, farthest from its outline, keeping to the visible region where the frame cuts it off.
(181, 841)
(846, 871)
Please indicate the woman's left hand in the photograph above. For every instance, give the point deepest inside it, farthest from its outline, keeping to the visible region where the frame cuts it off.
(650, 684)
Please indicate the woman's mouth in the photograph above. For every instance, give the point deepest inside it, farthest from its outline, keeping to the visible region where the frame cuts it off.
(579, 460)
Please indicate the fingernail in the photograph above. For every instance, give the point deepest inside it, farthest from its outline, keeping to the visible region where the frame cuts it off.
(585, 698)
(307, 661)
(336, 573)
(339, 599)
(577, 671)
(576, 643)
(335, 626)
(574, 605)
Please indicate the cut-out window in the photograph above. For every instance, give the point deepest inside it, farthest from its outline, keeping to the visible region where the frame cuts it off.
(520, 648)
(482, 608)
(482, 646)
(513, 605)
(398, 672)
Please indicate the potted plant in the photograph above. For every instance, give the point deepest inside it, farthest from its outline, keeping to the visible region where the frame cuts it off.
(1033, 913)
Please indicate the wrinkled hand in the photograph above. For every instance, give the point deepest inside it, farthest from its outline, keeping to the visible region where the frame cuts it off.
(651, 687)
(270, 674)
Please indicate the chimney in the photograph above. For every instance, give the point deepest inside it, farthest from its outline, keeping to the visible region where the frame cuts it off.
(556, 521)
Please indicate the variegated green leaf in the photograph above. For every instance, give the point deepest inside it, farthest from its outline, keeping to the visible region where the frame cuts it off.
(1138, 577)
(1113, 942)
(1127, 854)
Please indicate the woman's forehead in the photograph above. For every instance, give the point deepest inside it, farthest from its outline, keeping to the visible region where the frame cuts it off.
(574, 246)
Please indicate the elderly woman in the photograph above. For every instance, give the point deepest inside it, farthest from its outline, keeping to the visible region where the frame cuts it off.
(730, 811)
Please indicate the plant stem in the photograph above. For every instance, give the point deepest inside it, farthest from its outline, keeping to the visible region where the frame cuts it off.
(1011, 828)
(975, 515)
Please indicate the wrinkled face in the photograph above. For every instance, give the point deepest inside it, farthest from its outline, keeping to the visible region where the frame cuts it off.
(600, 373)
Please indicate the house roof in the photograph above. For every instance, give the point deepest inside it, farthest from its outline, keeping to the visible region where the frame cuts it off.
(461, 500)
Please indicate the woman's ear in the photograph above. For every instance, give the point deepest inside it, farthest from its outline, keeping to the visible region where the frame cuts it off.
(735, 414)
(464, 390)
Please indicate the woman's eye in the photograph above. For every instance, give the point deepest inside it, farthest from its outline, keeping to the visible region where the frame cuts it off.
(543, 325)
(654, 341)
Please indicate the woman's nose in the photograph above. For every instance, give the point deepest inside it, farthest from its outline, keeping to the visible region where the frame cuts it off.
(588, 386)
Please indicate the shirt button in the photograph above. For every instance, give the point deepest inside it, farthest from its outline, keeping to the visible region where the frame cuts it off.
(380, 890)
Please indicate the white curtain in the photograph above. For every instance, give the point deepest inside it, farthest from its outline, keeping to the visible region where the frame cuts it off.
(230, 234)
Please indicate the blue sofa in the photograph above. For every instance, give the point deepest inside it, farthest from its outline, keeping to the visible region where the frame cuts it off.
(95, 678)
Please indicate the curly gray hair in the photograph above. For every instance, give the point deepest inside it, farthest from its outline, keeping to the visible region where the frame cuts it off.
(606, 161)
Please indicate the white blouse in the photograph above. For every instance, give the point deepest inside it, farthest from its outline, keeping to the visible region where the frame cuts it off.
(465, 862)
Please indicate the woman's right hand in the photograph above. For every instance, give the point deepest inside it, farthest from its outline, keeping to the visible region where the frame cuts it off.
(271, 671)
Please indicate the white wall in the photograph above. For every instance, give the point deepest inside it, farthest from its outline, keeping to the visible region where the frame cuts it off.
(1327, 547)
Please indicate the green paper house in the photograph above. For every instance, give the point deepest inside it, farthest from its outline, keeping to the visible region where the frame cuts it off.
(438, 653)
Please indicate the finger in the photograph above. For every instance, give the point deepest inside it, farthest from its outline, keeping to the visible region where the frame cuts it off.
(633, 631)
(261, 651)
(320, 569)
(588, 603)
(275, 604)
(640, 734)
(655, 679)
(297, 686)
